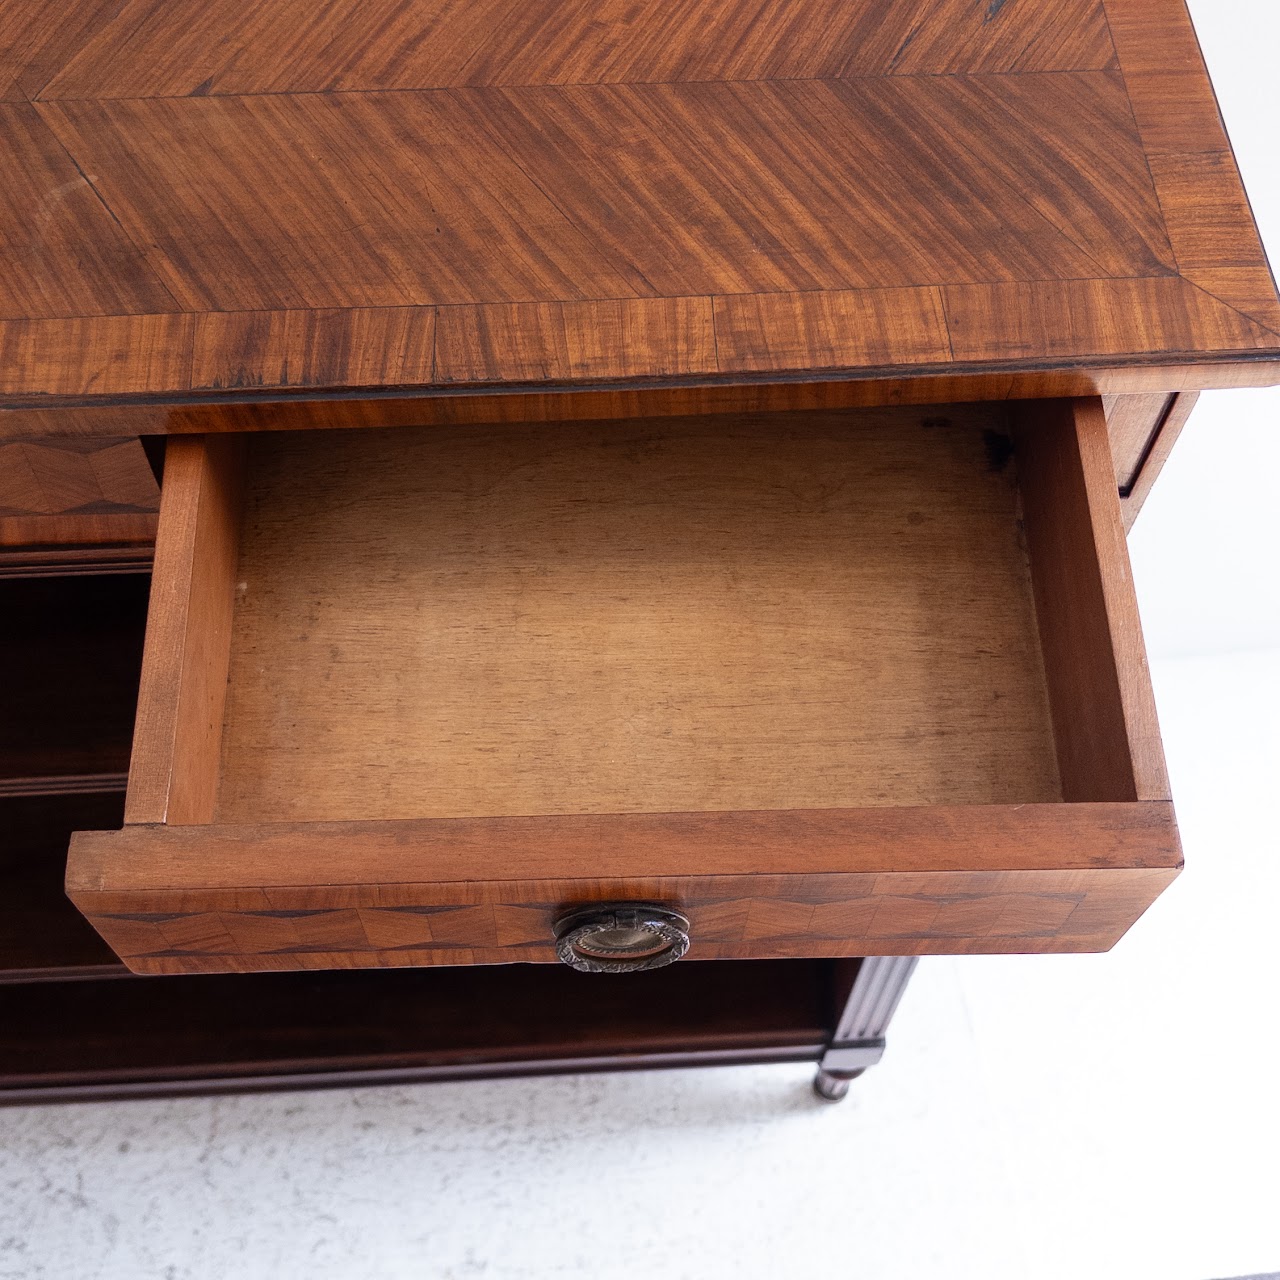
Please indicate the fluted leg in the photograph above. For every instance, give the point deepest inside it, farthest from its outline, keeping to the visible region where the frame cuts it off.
(858, 1042)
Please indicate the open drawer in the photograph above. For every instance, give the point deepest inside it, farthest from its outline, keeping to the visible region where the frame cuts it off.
(833, 683)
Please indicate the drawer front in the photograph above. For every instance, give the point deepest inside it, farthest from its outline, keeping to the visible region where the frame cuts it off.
(824, 684)
(875, 882)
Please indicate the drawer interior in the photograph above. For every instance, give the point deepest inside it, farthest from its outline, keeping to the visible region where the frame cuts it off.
(822, 611)
(829, 684)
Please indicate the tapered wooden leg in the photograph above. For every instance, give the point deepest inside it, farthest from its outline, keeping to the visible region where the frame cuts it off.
(858, 1042)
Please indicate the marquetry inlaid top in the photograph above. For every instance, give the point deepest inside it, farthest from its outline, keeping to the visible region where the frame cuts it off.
(203, 197)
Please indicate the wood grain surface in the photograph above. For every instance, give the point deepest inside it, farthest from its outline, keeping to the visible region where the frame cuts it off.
(786, 672)
(1133, 423)
(796, 611)
(110, 1039)
(226, 200)
(72, 492)
(304, 410)
(1104, 711)
(173, 772)
(1159, 447)
(1143, 430)
(754, 885)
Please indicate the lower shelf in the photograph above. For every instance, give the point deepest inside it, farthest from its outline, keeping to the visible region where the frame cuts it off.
(72, 651)
(133, 1036)
(42, 936)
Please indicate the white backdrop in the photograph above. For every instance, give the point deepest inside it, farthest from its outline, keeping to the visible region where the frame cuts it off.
(1206, 549)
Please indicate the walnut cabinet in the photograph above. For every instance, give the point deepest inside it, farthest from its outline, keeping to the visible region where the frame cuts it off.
(619, 484)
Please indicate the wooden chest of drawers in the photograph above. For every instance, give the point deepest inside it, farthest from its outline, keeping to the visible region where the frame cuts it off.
(619, 459)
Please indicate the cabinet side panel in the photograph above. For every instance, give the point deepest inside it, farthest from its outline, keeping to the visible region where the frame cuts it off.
(1159, 447)
(1132, 423)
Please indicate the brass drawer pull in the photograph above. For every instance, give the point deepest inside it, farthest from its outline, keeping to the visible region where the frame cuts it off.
(621, 938)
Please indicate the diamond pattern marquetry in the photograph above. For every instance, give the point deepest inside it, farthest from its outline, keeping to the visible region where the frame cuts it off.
(76, 477)
(754, 885)
(845, 915)
(66, 491)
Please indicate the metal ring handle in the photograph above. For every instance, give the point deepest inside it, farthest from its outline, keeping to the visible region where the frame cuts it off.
(621, 938)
